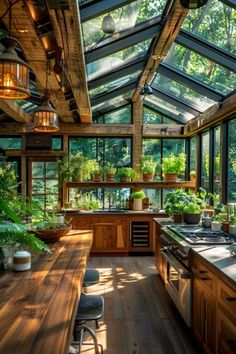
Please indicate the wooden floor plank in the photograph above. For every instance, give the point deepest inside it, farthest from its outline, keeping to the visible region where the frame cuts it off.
(140, 317)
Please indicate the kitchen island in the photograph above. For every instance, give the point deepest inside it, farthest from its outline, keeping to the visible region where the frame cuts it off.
(38, 307)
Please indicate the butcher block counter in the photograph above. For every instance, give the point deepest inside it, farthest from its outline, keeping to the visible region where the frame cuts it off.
(38, 306)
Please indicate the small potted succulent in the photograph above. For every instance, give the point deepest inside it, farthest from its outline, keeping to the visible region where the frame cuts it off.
(138, 200)
(148, 167)
(126, 173)
(172, 166)
(110, 171)
(192, 213)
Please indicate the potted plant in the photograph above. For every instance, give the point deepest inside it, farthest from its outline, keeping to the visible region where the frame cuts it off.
(192, 176)
(232, 224)
(216, 223)
(110, 171)
(97, 172)
(192, 213)
(148, 167)
(138, 200)
(126, 173)
(174, 203)
(172, 166)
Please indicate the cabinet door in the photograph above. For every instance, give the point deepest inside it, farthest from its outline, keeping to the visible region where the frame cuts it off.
(141, 235)
(226, 334)
(110, 237)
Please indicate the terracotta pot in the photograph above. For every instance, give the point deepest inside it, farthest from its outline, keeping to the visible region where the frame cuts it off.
(148, 177)
(171, 177)
(52, 235)
(124, 179)
(110, 177)
(192, 178)
(97, 177)
(225, 226)
(178, 218)
(192, 218)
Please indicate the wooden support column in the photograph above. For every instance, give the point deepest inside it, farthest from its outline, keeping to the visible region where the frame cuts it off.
(137, 136)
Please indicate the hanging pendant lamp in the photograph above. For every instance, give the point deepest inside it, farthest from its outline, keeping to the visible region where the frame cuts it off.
(108, 24)
(14, 72)
(193, 4)
(146, 90)
(45, 118)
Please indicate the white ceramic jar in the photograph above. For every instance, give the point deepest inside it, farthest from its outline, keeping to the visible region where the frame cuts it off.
(21, 261)
(215, 226)
(232, 229)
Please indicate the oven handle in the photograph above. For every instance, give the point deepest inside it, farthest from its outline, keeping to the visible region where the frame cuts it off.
(182, 271)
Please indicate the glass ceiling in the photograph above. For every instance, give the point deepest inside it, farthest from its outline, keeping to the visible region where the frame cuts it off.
(125, 17)
(200, 81)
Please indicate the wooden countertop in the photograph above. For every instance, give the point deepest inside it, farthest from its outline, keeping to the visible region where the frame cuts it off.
(37, 307)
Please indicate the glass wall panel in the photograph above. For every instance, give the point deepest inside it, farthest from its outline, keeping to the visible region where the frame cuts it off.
(217, 158)
(192, 157)
(201, 68)
(182, 92)
(125, 17)
(57, 143)
(232, 161)
(116, 60)
(205, 170)
(151, 117)
(109, 105)
(8, 143)
(118, 116)
(215, 23)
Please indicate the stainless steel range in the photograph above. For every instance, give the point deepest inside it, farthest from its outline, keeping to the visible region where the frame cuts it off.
(176, 243)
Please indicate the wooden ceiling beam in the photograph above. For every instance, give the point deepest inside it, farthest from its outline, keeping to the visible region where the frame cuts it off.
(164, 41)
(23, 28)
(69, 36)
(12, 109)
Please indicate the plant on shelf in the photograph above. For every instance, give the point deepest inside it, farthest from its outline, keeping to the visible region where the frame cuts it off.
(126, 173)
(192, 213)
(64, 171)
(97, 172)
(138, 200)
(172, 166)
(148, 167)
(87, 201)
(110, 171)
(81, 166)
(192, 175)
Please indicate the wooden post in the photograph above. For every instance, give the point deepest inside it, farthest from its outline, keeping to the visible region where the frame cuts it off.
(137, 136)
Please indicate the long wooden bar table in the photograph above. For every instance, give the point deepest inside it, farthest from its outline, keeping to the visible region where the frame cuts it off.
(38, 307)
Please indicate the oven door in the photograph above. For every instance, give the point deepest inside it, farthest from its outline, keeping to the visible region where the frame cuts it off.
(178, 284)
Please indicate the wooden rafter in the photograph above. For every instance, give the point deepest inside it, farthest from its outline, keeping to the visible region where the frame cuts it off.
(15, 111)
(69, 36)
(163, 43)
(23, 29)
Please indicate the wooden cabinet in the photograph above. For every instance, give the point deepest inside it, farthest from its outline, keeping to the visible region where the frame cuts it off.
(214, 310)
(226, 320)
(112, 233)
(110, 236)
(160, 260)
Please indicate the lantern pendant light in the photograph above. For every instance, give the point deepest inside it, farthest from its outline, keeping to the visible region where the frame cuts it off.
(14, 72)
(108, 24)
(146, 90)
(45, 116)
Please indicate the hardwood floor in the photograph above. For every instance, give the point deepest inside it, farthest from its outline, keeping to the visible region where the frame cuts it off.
(139, 315)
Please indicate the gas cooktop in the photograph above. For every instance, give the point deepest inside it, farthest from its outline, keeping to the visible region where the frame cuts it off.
(197, 235)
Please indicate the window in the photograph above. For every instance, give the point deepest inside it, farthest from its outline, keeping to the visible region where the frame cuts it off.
(10, 143)
(217, 159)
(232, 161)
(192, 157)
(44, 183)
(205, 167)
(118, 116)
(57, 143)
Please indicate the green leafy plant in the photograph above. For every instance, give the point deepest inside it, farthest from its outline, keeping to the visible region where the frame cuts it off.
(87, 201)
(177, 199)
(109, 168)
(217, 218)
(65, 170)
(138, 195)
(192, 208)
(127, 172)
(193, 173)
(97, 168)
(174, 164)
(148, 164)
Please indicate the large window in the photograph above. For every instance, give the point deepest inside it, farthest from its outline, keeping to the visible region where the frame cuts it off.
(205, 159)
(217, 160)
(113, 150)
(10, 143)
(44, 183)
(232, 161)
(118, 116)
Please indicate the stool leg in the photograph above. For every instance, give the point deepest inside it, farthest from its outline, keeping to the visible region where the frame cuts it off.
(97, 324)
(80, 342)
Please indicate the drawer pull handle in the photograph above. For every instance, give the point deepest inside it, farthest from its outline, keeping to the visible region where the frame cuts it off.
(230, 299)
